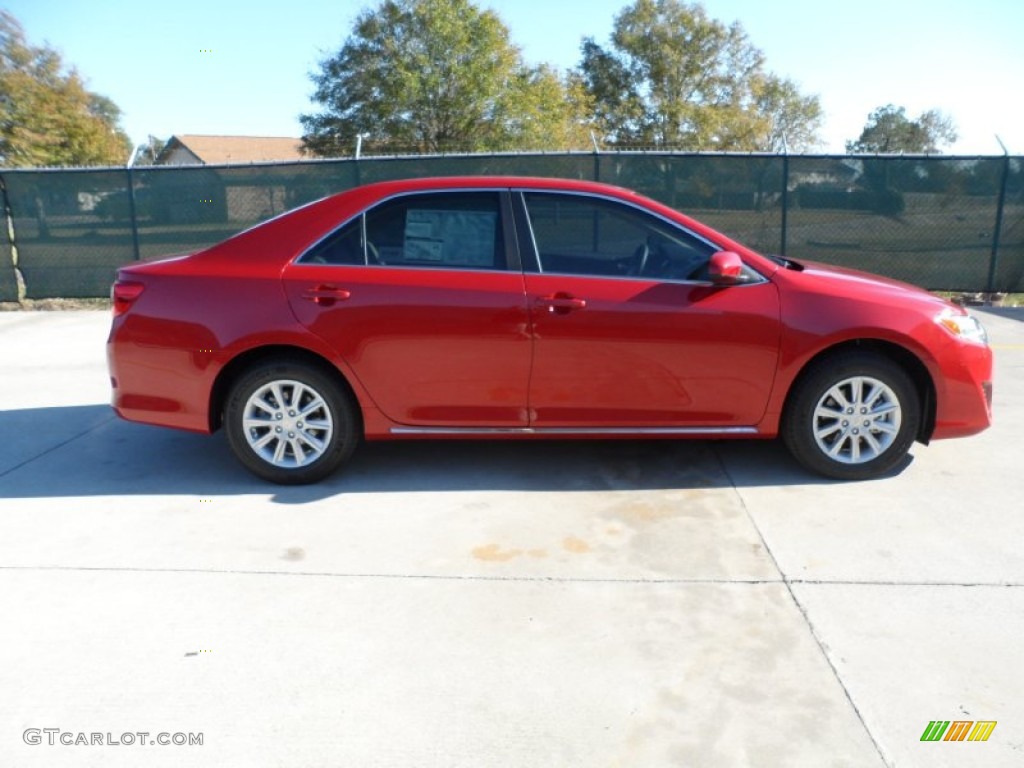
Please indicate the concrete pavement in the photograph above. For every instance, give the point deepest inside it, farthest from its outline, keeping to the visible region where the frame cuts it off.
(487, 604)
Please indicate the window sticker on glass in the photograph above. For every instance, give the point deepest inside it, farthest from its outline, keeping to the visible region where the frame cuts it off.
(450, 237)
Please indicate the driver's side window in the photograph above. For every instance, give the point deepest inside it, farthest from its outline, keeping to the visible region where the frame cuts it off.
(583, 235)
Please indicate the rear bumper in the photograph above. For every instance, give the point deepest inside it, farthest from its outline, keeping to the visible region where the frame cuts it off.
(159, 384)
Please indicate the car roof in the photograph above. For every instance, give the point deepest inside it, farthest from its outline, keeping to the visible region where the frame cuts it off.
(381, 189)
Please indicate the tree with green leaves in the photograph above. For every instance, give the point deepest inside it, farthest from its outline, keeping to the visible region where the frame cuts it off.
(47, 115)
(146, 154)
(434, 76)
(890, 130)
(674, 77)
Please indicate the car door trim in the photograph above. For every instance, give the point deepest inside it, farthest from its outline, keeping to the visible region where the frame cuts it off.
(569, 431)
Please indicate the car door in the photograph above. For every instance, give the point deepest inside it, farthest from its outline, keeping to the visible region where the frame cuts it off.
(628, 331)
(423, 297)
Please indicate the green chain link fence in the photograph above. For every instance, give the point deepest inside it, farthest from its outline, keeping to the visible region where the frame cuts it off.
(945, 223)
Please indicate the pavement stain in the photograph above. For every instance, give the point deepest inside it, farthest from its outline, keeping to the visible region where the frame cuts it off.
(690, 504)
(495, 554)
(294, 554)
(577, 546)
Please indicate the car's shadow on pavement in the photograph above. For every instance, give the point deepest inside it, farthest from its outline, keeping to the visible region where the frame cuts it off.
(87, 451)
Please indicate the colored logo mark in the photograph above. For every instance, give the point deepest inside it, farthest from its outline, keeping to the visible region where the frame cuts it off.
(958, 730)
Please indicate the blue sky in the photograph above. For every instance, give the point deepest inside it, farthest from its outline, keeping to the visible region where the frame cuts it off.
(966, 59)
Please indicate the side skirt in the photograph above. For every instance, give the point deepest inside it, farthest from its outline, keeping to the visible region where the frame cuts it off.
(570, 431)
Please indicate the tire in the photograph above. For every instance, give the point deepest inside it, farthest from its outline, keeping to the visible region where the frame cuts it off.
(872, 439)
(281, 443)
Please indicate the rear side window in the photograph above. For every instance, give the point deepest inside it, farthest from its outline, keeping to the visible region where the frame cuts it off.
(344, 246)
(455, 230)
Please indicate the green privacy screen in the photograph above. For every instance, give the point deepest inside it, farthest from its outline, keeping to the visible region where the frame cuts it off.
(944, 223)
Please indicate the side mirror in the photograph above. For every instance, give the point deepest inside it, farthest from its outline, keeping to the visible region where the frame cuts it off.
(726, 268)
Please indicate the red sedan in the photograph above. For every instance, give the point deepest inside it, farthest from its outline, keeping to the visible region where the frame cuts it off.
(520, 307)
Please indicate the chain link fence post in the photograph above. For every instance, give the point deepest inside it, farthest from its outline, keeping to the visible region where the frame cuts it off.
(19, 282)
(1000, 205)
(133, 209)
(784, 215)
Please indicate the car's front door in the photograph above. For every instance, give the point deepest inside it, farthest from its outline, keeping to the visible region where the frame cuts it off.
(628, 332)
(419, 297)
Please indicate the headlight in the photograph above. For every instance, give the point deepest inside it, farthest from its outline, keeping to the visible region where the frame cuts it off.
(964, 327)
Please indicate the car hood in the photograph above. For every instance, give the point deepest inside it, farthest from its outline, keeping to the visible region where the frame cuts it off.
(856, 283)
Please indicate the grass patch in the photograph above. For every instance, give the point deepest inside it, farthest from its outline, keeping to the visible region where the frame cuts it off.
(54, 305)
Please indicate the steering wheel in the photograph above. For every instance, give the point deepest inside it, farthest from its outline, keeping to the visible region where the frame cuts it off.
(640, 259)
(372, 255)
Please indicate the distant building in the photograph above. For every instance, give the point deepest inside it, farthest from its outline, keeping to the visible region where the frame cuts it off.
(188, 149)
(233, 195)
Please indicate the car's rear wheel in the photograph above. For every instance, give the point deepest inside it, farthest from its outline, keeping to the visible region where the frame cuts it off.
(288, 422)
(852, 416)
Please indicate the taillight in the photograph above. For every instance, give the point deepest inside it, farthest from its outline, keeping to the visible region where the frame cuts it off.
(124, 293)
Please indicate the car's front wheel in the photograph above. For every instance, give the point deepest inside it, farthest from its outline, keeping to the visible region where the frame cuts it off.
(290, 423)
(852, 416)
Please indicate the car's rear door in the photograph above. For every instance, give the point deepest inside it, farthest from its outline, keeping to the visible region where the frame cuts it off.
(423, 297)
(628, 333)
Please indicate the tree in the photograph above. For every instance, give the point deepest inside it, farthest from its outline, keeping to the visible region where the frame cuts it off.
(541, 110)
(674, 77)
(436, 75)
(146, 154)
(789, 121)
(890, 130)
(47, 116)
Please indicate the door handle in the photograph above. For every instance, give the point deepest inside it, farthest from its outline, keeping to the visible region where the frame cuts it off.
(561, 303)
(326, 295)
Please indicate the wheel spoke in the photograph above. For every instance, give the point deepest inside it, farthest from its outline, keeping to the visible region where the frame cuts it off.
(856, 390)
(263, 441)
(837, 446)
(314, 405)
(278, 395)
(836, 393)
(263, 405)
(298, 392)
(875, 393)
(885, 427)
(312, 442)
(279, 452)
(876, 446)
(855, 449)
(827, 430)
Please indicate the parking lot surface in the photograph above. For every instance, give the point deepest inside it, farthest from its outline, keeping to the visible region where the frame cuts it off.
(495, 604)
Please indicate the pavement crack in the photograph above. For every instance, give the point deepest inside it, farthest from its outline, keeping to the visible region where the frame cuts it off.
(799, 606)
(382, 576)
